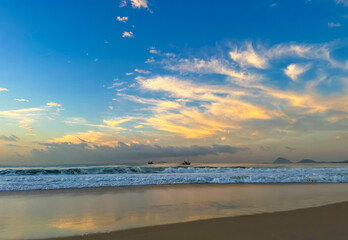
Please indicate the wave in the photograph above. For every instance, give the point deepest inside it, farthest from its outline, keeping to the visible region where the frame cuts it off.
(112, 170)
(84, 177)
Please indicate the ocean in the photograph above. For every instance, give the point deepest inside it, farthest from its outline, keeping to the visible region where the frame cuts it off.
(15, 178)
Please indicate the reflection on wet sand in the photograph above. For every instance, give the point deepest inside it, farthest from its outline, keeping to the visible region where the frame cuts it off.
(62, 213)
(84, 223)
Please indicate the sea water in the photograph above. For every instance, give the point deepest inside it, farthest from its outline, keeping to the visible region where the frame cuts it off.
(64, 177)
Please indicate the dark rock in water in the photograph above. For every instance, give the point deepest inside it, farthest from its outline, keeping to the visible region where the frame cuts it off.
(282, 160)
(307, 161)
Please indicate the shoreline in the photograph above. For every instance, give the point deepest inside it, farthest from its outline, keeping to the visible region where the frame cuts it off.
(151, 186)
(323, 222)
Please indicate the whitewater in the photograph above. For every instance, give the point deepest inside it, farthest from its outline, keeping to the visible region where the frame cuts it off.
(14, 178)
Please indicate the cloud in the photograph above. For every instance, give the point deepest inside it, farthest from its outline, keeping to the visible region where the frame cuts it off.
(3, 90)
(108, 124)
(135, 3)
(123, 3)
(129, 73)
(21, 100)
(92, 139)
(139, 3)
(122, 19)
(128, 35)
(53, 104)
(290, 148)
(244, 104)
(116, 84)
(294, 70)
(265, 148)
(344, 2)
(26, 126)
(150, 60)
(142, 71)
(82, 152)
(294, 49)
(153, 50)
(332, 24)
(262, 57)
(117, 121)
(11, 138)
(274, 5)
(210, 66)
(76, 120)
(248, 57)
(158, 105)
(219, 111)
(23, 116)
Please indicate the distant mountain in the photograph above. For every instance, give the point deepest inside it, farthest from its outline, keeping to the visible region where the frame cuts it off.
(307, 161)
(313, 161)
(281, 160)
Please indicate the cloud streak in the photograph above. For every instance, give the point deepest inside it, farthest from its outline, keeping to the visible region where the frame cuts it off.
(333, 25)
(21, 100)
(121, 153)
(23, 116)
(10, 138)
(53, 104)
(245, 104)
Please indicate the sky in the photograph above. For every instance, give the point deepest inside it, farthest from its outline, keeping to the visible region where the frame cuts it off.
(117, 81)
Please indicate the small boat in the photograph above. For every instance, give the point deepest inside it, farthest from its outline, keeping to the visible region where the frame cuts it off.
(150, 162)
(186, 163)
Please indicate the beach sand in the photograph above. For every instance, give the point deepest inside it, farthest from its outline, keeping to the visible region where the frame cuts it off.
(193, 211)
(319, 223)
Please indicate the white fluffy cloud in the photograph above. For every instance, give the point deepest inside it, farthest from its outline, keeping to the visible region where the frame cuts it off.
(3, 90)
(294, 70)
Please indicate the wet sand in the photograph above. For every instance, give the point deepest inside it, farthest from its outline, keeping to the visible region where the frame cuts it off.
(197, 211)
(319, 223)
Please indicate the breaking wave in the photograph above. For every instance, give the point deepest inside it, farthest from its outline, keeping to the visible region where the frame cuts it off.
(107, 176)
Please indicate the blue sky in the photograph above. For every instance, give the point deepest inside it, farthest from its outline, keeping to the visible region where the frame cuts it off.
(259, 77)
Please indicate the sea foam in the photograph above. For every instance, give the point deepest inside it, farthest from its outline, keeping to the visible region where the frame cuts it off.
(35, 178)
